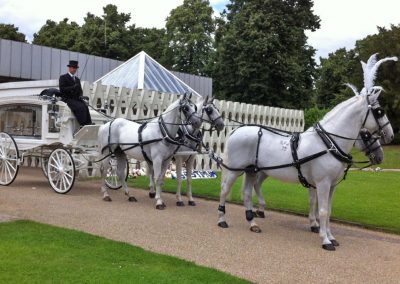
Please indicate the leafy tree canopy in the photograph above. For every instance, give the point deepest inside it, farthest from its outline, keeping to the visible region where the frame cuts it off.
(189, 36)
(262, 55)
(344, 67)
(11, 32)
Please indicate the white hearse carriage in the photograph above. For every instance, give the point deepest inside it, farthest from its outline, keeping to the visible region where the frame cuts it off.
(44, 127)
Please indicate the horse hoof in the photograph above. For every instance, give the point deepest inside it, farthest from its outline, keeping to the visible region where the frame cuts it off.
(329, 247)
(259, 214)
(180, 203)
(132, 199)
(223, 224)
(192, 203)
(314, 229)
(107, 198)
(255, 229)
(335, 243)
(152, 195)
(160, 206)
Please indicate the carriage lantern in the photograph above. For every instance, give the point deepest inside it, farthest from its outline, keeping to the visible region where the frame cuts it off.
(53, 110)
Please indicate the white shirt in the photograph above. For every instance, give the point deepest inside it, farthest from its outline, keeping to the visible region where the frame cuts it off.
(72, 75)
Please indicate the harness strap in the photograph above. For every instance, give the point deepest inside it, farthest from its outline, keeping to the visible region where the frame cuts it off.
(140, 130)
(253, 169)
(331, 144)
(258, 147)
(294, 144)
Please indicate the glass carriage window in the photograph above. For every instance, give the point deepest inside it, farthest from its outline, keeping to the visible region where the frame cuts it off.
(21, 120)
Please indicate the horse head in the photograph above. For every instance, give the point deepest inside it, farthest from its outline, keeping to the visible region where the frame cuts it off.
(213, 116)
(189, 111)
(375, 119)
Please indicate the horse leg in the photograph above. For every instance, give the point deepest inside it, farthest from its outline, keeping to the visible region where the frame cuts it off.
(121, 172)
(226, 186)
(189, 169)
(105, 164)
(260, 177)
(323, 191)
(159, 167)
(178, 164)
(249, 180)
(328, 230)
(313, 210)
(150, 173)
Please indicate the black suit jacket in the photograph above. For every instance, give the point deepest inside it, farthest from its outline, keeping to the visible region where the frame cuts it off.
(69, 88)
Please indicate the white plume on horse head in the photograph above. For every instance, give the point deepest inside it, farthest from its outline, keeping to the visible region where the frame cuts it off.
(370, 69)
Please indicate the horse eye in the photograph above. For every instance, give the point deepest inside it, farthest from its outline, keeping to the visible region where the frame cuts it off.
(186, 108)
(209, 110)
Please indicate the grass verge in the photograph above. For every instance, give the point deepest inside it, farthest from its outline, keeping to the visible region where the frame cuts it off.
(36, 253)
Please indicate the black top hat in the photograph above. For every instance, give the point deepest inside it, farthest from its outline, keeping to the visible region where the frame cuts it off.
(73, 63)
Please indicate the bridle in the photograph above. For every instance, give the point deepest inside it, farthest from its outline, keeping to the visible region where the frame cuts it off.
(209, 109)
(377, 113)
(366, 137)
(184, 108)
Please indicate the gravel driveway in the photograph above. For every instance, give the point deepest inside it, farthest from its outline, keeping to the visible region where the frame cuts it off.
(285, 252)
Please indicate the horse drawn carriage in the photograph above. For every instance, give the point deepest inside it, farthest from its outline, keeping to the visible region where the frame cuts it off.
(44, 128)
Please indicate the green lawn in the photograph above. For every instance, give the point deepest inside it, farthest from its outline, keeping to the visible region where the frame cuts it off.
(36, 253)
(368, 198)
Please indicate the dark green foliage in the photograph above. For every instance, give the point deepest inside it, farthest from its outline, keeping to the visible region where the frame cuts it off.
(11, 32)
(333, 74)
(313, 115)
(189, 37)
(107, 35)
(61, 35)
(344, 67)
(150, 40)
(262, 55)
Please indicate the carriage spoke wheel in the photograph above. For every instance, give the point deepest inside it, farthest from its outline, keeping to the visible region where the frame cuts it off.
(9, 159)
(112, 179)
(61, 170)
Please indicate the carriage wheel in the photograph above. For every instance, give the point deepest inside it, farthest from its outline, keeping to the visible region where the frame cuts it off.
(112, 179)
(9, 159)
(45, 161)
(61, 170)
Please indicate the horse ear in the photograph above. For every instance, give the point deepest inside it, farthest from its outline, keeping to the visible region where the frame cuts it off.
(184, 96)
(205, 100)
(190, 96)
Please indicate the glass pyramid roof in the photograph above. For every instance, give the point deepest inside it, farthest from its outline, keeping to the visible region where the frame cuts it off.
(143, 72)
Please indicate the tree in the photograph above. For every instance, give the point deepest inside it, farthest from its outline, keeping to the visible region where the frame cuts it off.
(333, 73)
(11, 32)
(106, 36)
(59, 35)
(152, 41)
(262, 53)
(189, 30)
(386, 44)
(344, 67)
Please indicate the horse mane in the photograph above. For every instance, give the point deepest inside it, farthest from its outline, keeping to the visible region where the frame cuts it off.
(338, 108)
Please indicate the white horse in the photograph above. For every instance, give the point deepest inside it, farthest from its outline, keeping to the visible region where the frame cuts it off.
(320, 158)
(208, 113)
(367, 143)
(152, 142)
